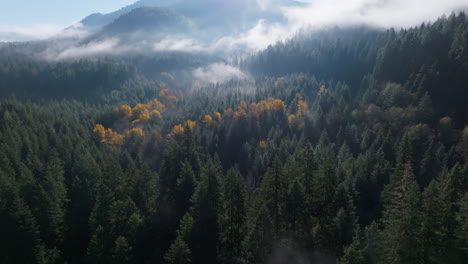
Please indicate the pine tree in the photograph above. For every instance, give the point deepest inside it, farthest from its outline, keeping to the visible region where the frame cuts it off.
(353, 254)
(186, 184)
(433, 229)
(232, 218)
(122, 251)
(259, 239)
(179, 251)
(206, 205)
(273, 192)
(401, 220)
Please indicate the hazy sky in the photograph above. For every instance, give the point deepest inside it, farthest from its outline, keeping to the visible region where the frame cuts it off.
(39, 19)
(60, 12)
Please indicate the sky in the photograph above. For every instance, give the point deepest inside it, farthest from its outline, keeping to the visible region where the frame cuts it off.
(22, 20)
(54, 12)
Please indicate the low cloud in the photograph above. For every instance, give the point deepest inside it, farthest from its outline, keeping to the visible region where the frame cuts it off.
(380, 13)
(108, 46)
(315, 15)
(218, 73)
(179, 44)
(255, 39)
(11, 33)
(25, 33)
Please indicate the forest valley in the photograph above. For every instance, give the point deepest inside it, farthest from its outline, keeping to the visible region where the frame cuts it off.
(348, 145)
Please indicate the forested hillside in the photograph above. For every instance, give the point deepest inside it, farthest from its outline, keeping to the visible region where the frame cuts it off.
(345, 146)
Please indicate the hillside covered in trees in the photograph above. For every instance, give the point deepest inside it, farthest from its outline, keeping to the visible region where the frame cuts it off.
(348, 145)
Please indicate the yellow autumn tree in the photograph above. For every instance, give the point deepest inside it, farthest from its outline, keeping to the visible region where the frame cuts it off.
(115, 138)
(292, 121)
(155, 104)
(191, 124)
(156, 115)
(229, 113)
(276, 104)
(177, 130)
(242, 106)
(99, 131)
(208, 121)
(217, 116)
(136, 132)
(138, 110)
(144, 118)
(262, 144)
(107, 135)
(302, 108)
(256, 109)
(123, 111)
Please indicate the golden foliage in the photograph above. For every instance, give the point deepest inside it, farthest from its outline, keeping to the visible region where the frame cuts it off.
(177, 130)
(208, 121)
(292, 121)
(255, 110)
(136, 132)
(156, 105)
(167, 96)
(163, 92)
(99, 131)
(116, 139)
(276, 104)
(191, 124)
(262, 144)
(156, 115)
(240, 114)
(217, 116)
(229, 113)
(302, 108)
(139, 109)
(107, 135)
(123, 111)
(144, 118)
(242, 106)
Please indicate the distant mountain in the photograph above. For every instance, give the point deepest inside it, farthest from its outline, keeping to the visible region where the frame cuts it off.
(147, 19)
(201, 10)
(98, 20)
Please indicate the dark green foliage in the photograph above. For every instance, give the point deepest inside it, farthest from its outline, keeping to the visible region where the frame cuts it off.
(374, 171)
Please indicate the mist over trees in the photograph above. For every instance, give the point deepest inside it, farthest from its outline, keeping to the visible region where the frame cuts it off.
(349, 145)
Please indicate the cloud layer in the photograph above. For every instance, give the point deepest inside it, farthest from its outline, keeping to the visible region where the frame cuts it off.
(381, 13)
(316, 15)
(218, 73)
(32, 32)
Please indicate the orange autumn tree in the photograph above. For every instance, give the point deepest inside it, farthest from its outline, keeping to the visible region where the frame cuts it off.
(217, 116)
(107, 135)
(177, 130)
(208, 121)
(167, 95)
(136, 132)
(292, 120)
(255, 110)
(191, 124)
(302, 108)
(242, 109)
(229, 113)
(123, 111)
